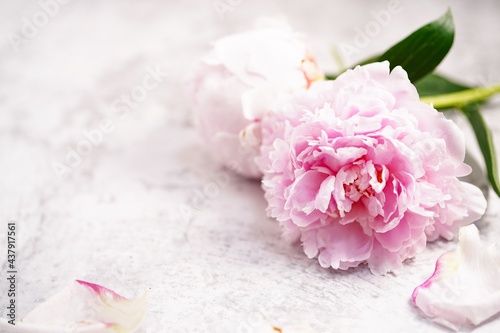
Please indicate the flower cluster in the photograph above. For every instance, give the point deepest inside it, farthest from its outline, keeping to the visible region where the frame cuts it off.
(358, 169)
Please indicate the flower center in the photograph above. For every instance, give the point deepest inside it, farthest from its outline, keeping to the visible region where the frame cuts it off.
(357, 186)
(360, 182)
(310, 69)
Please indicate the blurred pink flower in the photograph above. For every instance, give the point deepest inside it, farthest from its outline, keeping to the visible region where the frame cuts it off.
(238, 82)
(362, 171)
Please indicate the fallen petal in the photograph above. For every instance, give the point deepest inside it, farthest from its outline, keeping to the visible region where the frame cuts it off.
(465, 286)
(83, 307)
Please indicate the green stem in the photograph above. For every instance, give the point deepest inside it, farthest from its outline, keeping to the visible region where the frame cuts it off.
(464, 97)
(338, 59)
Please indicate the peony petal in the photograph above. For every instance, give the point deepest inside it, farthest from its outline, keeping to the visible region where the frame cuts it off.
(382, 261)
(304, 191)
(278, 51)
(394, 239)
(83, 307)
(467, 206)
(237, 155)
(465, 286)
(341, 244)
(324, 195)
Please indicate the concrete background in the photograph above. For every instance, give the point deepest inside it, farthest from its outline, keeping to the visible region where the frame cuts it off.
(125, 216)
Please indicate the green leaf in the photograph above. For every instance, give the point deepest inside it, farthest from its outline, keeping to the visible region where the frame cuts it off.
(485, 140)
(421, 52)
(435, 84)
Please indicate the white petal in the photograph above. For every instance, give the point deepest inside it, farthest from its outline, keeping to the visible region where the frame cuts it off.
(260, 55)
(83, 307)
(465, 286)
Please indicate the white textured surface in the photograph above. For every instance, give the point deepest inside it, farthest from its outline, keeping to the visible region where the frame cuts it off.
(119, 219)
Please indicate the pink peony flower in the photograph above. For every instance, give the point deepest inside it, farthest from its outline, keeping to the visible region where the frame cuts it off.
(239, 81)
(362, 171)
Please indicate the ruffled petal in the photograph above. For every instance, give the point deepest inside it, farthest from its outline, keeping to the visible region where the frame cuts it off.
(338, 245)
